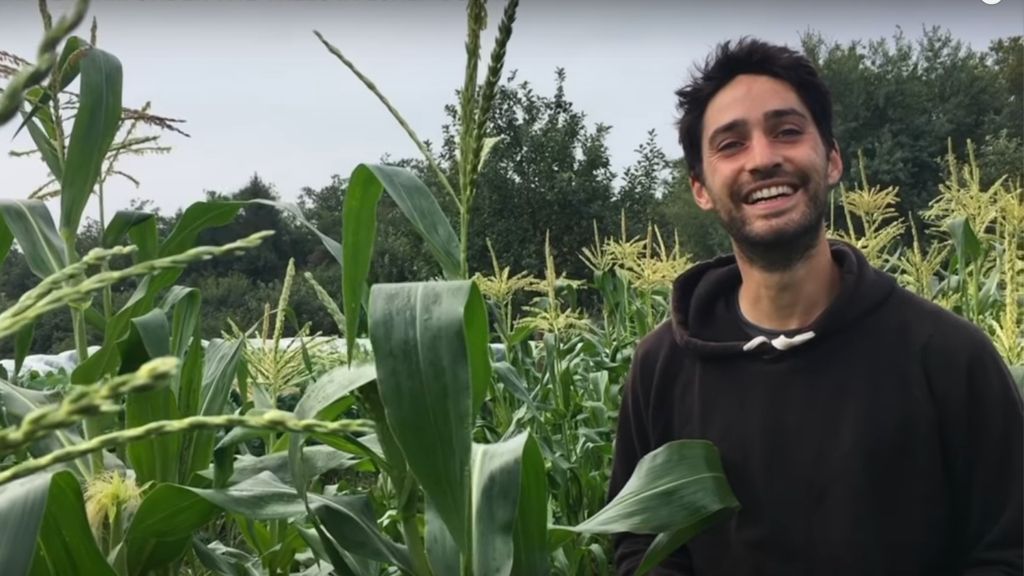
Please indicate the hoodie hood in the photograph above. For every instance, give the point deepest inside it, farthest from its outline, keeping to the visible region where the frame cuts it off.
(701, 300)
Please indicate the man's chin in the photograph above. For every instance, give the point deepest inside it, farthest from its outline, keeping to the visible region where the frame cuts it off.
(778, 250)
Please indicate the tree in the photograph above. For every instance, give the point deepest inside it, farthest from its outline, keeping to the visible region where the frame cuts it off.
(548, 173)
(900, 103)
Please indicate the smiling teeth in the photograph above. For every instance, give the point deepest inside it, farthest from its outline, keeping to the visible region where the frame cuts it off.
(770, 193)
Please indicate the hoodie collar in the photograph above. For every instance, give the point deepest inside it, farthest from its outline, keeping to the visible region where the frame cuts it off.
(702, 322)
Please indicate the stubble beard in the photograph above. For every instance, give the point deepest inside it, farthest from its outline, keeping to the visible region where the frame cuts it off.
(782, 249)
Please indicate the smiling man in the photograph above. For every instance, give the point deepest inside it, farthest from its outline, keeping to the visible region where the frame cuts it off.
(863, 430)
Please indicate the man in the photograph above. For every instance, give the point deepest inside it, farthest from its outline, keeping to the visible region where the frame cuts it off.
(864, 430)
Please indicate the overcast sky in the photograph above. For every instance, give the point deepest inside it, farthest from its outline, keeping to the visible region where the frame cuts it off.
(261, 95)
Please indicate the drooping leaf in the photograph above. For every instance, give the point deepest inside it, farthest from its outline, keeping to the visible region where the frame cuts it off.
(45, 146)
(442, 550)
(496, 472)
(350, 521)
(677, 490)
(22, 345)
(359, 230)
(261, 497)
(66, 544)
(96, 124)
(324, 400)
(225, 562)
(427, 338)
(965, 241)
(32, 226)
(219, 368)
(153, 459)
(22, 506)
(329, 243)
(139, 226)
(531, 540)
(18, 402)
(315, 460)
(162, 527)
(6, 239)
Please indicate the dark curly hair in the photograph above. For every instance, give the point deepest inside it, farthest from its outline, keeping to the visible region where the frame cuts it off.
(748, 56)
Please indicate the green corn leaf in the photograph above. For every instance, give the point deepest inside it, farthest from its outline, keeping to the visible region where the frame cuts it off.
(18, 402)
(965, 242)
(430, 346)
(325, 399)
(32, 226)
(676, 492)
(359, 230)
(22, 344)
(508, 530)
(46, 148)
(66, 544)
(68, 68)
(139, 226)
(162, 528)
(350, 521)
(153, 459)
(531, 538)
(219, 369)
(22, 507)
(6, 239)
(442, 550)
(96, 124)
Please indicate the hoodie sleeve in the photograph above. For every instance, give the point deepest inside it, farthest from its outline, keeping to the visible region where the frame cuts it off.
(982, 418)
(632, 442)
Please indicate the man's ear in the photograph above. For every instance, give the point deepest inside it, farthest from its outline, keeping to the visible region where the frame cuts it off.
(835, 165)
(700, 194)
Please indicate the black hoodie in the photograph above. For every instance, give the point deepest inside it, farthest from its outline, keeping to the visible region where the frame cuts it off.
(885, 438)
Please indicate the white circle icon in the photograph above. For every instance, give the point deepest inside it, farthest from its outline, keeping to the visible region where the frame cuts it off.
(991, 2)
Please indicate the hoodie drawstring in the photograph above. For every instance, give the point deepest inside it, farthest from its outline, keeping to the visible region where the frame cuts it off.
(781, 342)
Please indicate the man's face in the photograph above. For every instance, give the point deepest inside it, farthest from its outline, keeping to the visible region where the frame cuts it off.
(766, 171)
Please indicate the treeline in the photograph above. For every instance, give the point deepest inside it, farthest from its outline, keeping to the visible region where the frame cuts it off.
(899, 105)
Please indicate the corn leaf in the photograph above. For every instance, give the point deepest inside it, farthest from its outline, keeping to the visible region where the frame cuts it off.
(442, 550)
(30, 223)
(22, 506)
(324, 400)
(153, 459)
(22, 343)
(66, 544)
(46, 148)
(502, 520)
(350, 521)
(359, 230)
(219, 368)
(162, 527)
(430, 347)
(139, 226)
(96, 124)
(675, 492)
(6, 239)
(530, 552)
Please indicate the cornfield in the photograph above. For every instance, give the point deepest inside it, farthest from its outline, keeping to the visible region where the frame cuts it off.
(463, 435)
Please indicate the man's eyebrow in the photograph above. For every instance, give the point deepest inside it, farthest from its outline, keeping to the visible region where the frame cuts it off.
(725, 128)
(783, 113)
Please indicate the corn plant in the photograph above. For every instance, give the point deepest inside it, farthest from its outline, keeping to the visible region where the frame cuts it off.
(971, 257)
(430, 346)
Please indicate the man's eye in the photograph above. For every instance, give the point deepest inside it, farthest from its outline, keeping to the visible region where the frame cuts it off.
(728, 145)
(789, 132)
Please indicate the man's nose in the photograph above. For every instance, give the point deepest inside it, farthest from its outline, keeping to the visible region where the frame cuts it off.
(764, 157)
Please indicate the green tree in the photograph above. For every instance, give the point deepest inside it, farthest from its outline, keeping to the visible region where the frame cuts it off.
(901, 102)
(548, 172)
